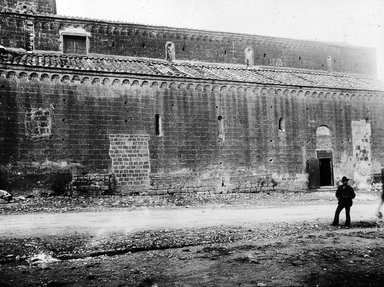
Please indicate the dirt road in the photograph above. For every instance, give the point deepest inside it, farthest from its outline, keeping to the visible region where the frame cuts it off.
(215, 245)
(40, 224)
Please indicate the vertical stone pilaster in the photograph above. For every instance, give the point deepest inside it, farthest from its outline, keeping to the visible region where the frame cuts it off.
(30, 33)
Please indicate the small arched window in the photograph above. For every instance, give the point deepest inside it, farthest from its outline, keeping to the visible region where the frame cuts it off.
(249, 56)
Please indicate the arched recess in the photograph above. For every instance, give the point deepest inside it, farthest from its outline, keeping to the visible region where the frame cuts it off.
(324, 157)
(323, 138)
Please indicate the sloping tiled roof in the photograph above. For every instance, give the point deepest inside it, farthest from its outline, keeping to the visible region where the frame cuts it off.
(190, 70)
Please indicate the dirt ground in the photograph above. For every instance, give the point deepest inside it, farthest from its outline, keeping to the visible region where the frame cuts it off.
(298, 253)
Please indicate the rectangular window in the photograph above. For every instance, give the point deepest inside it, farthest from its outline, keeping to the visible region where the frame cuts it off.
(74, 44)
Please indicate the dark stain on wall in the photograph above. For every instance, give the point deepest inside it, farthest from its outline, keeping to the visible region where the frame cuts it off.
(9, 126)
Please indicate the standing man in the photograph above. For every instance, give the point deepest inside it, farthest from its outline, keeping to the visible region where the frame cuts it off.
(344, 194)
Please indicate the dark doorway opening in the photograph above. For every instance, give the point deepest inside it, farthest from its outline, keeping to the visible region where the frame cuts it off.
(325, 168)
(325, 171)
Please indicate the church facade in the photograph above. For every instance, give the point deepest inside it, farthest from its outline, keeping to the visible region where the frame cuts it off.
(168, 110)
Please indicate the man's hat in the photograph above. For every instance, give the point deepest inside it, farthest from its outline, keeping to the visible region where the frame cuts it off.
(344, 179)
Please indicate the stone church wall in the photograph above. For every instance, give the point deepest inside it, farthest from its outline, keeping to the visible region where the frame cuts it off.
(110, 38)
(191, 137)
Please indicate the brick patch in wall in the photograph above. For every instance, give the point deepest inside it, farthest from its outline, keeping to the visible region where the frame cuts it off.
(130, 162)
(361, 140)
(163, 184)
(92, 184)
(38, 123)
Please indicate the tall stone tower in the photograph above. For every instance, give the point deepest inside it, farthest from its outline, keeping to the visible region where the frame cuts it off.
(29, 6)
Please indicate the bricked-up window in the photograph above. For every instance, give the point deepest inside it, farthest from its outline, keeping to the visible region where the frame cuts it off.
(38, 123)
(74, 44)
(249, 56)
(158, 125)
(323, 138)
(170, 53)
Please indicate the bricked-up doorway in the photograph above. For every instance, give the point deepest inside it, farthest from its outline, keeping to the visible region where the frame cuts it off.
(130, 162)
(325, 168)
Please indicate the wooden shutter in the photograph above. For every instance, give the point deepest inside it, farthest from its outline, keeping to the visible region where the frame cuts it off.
(75, 45)
(314, 173)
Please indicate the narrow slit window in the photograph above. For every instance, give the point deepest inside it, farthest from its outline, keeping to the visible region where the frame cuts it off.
(221, 129)
(281, 125)
(158, 125)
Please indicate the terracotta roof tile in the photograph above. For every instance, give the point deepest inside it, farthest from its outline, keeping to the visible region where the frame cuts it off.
(180, 69)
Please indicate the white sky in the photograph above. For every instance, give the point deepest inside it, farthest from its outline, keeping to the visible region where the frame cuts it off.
(356, 22)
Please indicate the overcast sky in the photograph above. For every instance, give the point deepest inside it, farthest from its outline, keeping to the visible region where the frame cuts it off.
(357, 22)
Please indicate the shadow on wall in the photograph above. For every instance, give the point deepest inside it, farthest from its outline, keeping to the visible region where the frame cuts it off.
(47, 177)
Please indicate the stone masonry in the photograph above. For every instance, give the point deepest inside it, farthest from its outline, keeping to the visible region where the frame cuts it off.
(167, 110)
(130, 161)
(133, 40)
